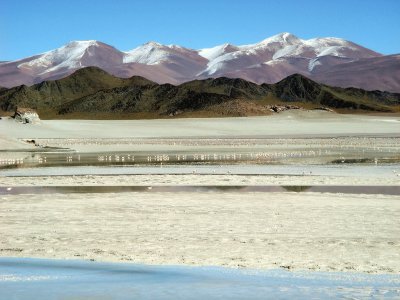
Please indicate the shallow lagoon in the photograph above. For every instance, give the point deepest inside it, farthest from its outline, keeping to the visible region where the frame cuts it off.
(23, 278)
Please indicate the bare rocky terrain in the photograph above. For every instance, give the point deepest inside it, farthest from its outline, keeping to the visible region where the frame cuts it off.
(92, 93)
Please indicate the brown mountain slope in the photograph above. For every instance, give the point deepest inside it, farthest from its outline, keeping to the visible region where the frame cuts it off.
(50, 94)
(91, 91)
(376, 73)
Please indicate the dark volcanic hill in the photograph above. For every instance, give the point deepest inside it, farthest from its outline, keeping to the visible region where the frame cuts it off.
(93, 93)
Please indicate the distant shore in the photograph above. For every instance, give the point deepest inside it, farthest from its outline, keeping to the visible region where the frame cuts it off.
(289, 123)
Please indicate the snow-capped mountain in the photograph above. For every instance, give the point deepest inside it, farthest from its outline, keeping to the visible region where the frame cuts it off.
(285, 53)
(59, 63)
(73, 56)
(328, 60)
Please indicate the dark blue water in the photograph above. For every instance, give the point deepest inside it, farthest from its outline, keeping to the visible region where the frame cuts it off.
(22, 278)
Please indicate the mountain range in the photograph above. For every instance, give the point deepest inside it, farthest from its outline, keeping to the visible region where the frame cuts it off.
(330, 61)
(93, 93)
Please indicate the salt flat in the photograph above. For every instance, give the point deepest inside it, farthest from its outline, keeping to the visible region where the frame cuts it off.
(308, 231)
(91, 177)
(304, 143)
(295, 231)
(315, 123)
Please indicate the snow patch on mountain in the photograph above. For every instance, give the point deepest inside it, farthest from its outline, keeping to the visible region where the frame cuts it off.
(328, 46)
(214, 52)
(313, 63)
(150, 54)
(153, 53)
(286, 51)
(273, 62)
(278, 47)
(220, 63)
(68, 56)
(333, 51)
(275, 42)
(320, 43)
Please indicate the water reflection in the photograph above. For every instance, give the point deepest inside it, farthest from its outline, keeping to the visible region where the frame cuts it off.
(296, 188)
(383, 190)
(124, 158)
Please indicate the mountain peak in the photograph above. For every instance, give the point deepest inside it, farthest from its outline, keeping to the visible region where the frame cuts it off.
(67, 56)
(149, 53)
(284, 37)
(268, 61)
(296, 77)
(89, 70)
(82, 43)
(214, 52)
(153, 44)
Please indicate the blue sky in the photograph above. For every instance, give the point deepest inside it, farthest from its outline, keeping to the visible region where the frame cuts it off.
(29, 27)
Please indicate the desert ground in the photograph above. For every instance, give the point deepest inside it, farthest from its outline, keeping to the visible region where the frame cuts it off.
(286, 124)
(356, 231)
(295, 231)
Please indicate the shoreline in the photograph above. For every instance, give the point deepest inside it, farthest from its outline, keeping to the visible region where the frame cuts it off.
(194, 180)
(38, 261)
(291, 123)
(332, 190)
